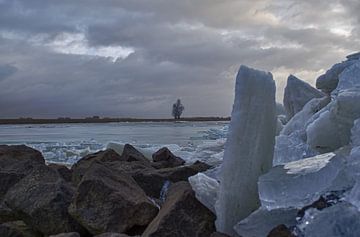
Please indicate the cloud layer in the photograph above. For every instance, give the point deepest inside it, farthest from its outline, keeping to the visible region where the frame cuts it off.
(135, 58)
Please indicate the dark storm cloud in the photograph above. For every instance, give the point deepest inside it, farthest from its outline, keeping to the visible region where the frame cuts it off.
(52, 52)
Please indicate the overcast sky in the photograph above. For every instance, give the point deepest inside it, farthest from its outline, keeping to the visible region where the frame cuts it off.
(134, 58)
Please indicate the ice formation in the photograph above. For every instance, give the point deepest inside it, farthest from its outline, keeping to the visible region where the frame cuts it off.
(206, 189)
(249, 147)
(297, 94)
(332, 129)
(341, 220)
(329, 81)
(298, 183)
(262, 221)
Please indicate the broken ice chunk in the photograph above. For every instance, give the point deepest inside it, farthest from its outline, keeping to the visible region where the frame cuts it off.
(262, 221)
(298, 183)
(342, 219)
(206, 190)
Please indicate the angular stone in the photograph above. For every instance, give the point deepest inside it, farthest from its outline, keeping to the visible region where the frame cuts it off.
(280, 231)
(63, 171)
(71, 234)
(80, 167)
(297, 94)
(152, 181)
(110, 201)
(249, 149)
(164, 158)
(131, 154)
(17, 229)
(112, 235)
(15, 163)
(41, 200)
(181, 215)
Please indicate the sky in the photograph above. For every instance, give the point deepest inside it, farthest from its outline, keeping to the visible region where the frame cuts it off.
(134, 58)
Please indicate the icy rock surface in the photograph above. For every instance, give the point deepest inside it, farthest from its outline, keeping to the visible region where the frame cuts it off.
(329, 81)
(206, 190)
(299, 183)
(297, 94)
(341, 220)
(332, 129)
(262, 221)
(249, 148)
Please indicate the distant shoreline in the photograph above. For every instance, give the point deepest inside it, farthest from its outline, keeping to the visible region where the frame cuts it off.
(106, 120)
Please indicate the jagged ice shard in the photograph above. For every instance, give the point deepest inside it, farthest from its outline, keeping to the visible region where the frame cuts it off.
(249, 147)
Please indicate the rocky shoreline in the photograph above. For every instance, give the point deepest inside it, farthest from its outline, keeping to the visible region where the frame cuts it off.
(103, 194)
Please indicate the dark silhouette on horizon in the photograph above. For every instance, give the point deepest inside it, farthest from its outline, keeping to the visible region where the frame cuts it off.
(177, 109)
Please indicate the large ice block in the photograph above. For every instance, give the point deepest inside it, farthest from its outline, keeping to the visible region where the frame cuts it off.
(249, 148)
(299, 183)
(297, 94)
(341, 220)
(262, 221)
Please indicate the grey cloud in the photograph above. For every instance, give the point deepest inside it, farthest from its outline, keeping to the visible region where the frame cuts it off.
(187, 49)
(6, 71)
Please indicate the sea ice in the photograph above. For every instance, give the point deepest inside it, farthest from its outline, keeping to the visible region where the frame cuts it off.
(349, 78)
(299, 183)
(206, 189)
(262, 221)
(249, 148)
(291, 148)
(355, 134)
(329, 81)
(332, 129)
(297, 94)
(336, 221)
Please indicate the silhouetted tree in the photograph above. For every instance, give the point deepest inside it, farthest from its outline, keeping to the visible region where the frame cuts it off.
(177, 109)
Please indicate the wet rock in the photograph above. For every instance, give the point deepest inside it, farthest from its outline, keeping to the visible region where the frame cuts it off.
(182, 215)
(17, 229)
(6, 214)
(110, 201)
(111, 235)
(15, 163)
(80, 167)
(71, 234)
(63, 171)
(41, 200)
(280, 231)
(152, 180)
(131, 154)
(164, 158)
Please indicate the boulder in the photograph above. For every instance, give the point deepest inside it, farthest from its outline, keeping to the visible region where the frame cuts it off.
(280, 231)
(131, 154)
(164, 158)
(110, 201)
(6, 214)
(297, 94)
(109, 234)
(63, 171)
(152, 180)
(71, 234)
(182, 215)
(41, 200)
(80, 167)
(15, 163)
(17, 229)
